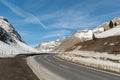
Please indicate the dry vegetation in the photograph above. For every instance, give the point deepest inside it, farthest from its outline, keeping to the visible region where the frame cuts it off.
(110, 45)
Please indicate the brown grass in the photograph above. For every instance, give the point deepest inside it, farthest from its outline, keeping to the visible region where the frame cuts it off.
(110, 45)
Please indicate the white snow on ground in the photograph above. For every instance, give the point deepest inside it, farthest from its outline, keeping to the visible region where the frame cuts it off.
(94, 59)
(8, 50)
(27, 48)
(98, 30)
(96, 55)
(84, 34)
(112, 32)
(14, 49)
(99, 33)
(11, 42)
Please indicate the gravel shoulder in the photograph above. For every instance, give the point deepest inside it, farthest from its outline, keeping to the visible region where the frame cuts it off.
(15, 69)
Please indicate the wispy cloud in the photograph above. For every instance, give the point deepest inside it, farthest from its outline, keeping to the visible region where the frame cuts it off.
(71, 18)
(57, 33)
(28, 17)
(80, 16)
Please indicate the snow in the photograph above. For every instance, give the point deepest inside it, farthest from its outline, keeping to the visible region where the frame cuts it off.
(98, 30)
(27, 48)
(98, 62)
(94, 59)
(9, 50)
(112, 32)
(86, 34)
(99, 33)
(48, 46)
(96, 55)
(13, 43)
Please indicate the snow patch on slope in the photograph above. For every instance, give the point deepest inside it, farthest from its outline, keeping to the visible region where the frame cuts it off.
(112, 32)
(84, 34)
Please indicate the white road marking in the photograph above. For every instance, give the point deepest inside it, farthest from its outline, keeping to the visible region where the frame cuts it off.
(63, 66)
(48, 60)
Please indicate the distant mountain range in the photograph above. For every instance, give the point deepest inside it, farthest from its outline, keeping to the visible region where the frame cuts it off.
(11, 42)
(107, 29)
(48, 46)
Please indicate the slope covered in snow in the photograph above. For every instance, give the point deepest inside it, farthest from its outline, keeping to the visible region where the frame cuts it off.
(10, 40)
(112, 32)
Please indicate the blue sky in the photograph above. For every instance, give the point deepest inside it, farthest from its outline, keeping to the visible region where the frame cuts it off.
(46, 20)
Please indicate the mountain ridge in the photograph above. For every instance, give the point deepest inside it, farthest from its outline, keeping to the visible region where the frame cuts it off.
(11, 41)
(85, 35)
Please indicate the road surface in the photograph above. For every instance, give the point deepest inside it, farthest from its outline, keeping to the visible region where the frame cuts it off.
(70, 71)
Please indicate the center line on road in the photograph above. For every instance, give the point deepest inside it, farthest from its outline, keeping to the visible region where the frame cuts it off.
(63, 66)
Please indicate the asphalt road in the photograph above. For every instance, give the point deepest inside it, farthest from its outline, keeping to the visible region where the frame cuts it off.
(70, 71)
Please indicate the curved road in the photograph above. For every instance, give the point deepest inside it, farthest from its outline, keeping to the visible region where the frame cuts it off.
(70, 71)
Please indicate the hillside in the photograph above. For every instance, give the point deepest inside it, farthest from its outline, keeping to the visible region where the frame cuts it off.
(101, 52)
(107, 29)
(109, 44)
(11, 42)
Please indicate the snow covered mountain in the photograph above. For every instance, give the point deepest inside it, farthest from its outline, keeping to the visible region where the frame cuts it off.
(103, 28)
(107, 29)
(110, 28)
(48, 46)
(10, 40)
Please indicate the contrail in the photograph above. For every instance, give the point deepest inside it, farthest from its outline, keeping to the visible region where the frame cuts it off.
(26, 15)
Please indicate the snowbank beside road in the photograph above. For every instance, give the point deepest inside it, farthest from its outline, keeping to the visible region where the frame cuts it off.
(98, 60)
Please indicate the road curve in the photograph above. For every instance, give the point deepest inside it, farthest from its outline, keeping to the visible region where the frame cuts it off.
(70, 71)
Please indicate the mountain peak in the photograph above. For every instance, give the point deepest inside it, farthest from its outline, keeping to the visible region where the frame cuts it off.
(10, 40)
(4, 23)
(1, 17)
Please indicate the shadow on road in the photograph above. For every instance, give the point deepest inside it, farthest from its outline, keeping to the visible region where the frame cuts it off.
(33, 54)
